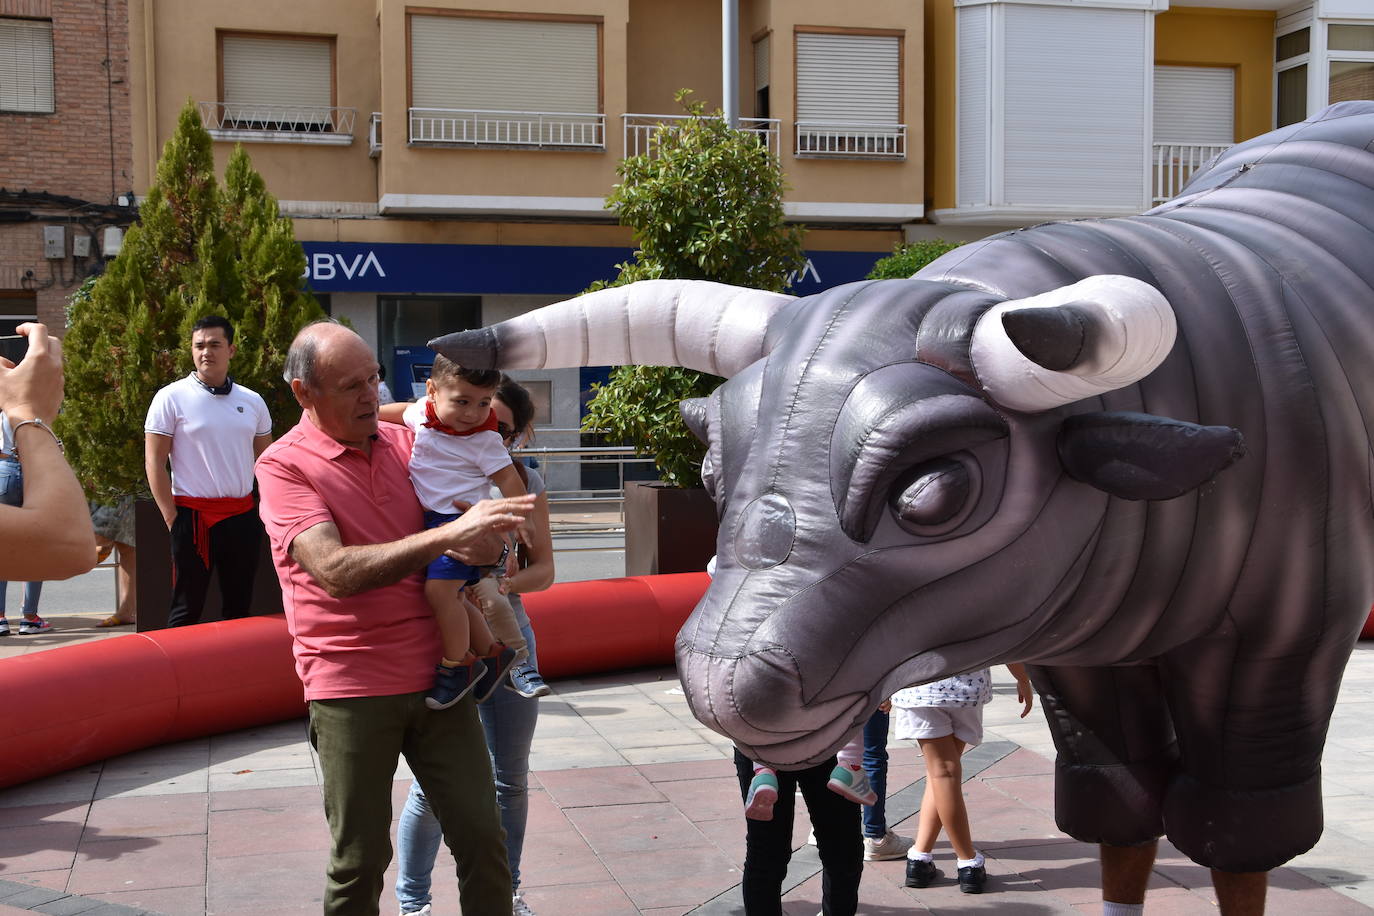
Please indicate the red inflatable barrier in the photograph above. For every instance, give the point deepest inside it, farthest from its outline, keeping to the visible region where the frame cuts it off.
(1368, 631)
(98, 700)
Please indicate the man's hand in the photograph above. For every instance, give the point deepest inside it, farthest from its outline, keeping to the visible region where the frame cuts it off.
(33, 389)
(477, 536)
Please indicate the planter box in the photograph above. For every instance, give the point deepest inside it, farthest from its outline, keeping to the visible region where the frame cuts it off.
(667, 529)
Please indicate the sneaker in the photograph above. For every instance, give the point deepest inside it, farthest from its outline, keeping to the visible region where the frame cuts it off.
(422, 911)
(852, 784)
(526, 681)
(498, 665)
(519, 907)
(452, 684)
(921, 873)
(4, 627)
(972, 878)
(888, 846)
(30, 625)
(763, 794)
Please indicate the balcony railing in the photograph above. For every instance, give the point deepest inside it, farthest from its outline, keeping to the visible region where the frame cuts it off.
(534, 129)
(642, 131)
(374, 135)
(1175, 163)
(851, 140)
(251, 123)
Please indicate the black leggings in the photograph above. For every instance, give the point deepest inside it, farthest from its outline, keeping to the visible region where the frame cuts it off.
(768, 844)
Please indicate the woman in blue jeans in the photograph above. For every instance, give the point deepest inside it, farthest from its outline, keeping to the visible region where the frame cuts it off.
(507, 717)
(12, 494)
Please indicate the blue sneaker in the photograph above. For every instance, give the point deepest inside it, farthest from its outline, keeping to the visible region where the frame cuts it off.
(452, 684)
(499, 665)
(526, 681)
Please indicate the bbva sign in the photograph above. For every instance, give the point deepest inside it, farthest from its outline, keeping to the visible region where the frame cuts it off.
(326, 265)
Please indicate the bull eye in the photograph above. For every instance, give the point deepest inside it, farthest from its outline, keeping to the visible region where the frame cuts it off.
(932, 495)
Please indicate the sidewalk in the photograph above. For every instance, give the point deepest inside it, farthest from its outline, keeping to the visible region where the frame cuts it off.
(634, 809)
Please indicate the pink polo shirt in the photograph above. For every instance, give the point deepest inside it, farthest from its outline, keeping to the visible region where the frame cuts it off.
(379, 642)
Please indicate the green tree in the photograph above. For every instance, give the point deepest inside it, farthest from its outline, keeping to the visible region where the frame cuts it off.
(704, 204)
(198, 249)
(905, 260)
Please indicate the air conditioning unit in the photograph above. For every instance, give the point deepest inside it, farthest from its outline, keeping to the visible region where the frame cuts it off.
(112, 241)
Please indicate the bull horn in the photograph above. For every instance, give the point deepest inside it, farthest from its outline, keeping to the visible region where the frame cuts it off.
(1115, 330)
(696, 324)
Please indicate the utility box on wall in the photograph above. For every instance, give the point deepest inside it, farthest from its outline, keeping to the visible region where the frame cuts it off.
(54, 242)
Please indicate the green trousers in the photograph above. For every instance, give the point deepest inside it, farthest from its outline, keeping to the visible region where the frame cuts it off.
(359, 741)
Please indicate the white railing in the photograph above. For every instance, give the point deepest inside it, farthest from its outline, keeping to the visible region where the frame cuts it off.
(539, 129)
(851, 139)
(642, 131)
(1175, 163)
(299, 123)
(374, 135)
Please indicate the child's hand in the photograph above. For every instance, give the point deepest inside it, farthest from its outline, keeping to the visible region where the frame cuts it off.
(885, 705)
(503, 584)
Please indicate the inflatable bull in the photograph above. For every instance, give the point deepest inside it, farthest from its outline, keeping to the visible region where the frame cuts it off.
(1132, 452)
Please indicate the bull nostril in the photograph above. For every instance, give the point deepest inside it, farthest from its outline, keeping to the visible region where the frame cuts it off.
(767, 530)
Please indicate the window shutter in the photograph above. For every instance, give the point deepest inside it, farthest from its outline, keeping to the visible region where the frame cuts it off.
(26, 82)
(974, 61)
(1195, 105)
(762, 59)
(848, 78)
(278, 73)
(510, 65)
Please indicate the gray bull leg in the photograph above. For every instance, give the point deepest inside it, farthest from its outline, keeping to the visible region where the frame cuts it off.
(1116, 751)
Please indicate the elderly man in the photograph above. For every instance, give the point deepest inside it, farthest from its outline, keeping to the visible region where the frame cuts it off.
(349, 545)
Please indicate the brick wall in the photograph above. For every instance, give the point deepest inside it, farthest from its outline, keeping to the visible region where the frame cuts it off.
(82, 150)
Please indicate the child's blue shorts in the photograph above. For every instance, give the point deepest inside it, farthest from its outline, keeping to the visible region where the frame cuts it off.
(446, 567)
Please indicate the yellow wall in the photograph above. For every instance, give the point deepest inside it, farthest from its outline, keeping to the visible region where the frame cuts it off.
(675, 46)
(939, 113)
(1242, 39)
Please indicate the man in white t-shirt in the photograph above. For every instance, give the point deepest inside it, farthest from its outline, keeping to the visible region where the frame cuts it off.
(212, 430)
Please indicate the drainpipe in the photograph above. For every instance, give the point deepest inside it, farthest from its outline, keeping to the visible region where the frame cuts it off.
(729, 60)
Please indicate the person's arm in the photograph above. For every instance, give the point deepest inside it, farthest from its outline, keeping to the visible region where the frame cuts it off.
(538, 575)
(157, 448)
(260, 444)
(343, 571)
(1025, 695)
(392, 413)
(54, 522)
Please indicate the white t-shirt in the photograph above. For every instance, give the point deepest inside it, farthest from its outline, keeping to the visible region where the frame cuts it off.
(444, 467)
(212, 436)
(972, 688)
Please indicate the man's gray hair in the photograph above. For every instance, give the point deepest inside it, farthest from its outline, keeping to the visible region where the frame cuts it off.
(300, 359)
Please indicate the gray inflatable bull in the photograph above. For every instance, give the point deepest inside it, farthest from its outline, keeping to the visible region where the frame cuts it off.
(1133, 452)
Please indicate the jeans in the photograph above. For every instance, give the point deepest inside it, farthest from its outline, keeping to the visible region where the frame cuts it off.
(508, 720)
(359, 740)
(12, 494)
(875, 767)
(768, 844)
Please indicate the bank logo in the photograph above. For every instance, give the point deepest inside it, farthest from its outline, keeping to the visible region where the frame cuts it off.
(326, 265)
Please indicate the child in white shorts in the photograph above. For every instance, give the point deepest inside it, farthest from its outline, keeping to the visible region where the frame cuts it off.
(945, 717)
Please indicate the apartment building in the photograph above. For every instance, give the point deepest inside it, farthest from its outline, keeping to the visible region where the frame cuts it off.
(66, 173)
(1058, 109)
(446, 165)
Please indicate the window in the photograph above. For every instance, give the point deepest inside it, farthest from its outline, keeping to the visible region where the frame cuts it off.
(497, 81)
(26, 65)
(1291, 53)
(279, 83)
(1194, 120)
(849, 94)
(762, 55)
(1351, 74)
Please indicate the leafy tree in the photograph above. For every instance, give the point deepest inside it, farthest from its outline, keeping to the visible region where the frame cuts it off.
(905, 260)
(704, 204)
(198, 249)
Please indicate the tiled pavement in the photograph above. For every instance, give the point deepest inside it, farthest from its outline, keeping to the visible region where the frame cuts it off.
(634, 809)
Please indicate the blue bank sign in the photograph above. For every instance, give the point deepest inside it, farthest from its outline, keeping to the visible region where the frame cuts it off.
(383, 267)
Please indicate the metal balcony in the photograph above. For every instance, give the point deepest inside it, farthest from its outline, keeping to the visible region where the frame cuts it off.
(1173, 164)
(850, 140)
(643, 130)
(251, 123)
(503, 129)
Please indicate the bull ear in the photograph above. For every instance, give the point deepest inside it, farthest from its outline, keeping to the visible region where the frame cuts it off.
(693, 412)
(1141, 456)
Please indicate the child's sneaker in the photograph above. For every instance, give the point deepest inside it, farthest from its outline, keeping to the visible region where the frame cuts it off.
(763, 793)
(4, 627)
(886, 847)
(452, 684)
(853, 784)
(526, 681)
(972, 878)
(30, 625)
(499, 664)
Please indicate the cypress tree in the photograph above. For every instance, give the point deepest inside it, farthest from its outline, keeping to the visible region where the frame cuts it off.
(198, 249)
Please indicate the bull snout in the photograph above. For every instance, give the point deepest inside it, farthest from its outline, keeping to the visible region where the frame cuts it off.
(756, 700)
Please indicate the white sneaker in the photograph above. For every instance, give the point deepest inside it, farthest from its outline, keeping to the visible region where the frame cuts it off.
(423, 911)
(519, 907)
(852, 784)
(887, 846)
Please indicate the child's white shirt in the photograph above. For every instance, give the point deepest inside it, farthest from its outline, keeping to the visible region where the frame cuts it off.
(445, 467)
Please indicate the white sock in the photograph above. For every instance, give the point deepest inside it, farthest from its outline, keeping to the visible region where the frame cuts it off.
(915, 856)
(1122, 909)
(976, 862)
